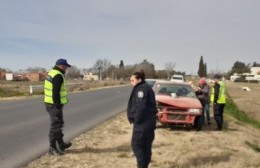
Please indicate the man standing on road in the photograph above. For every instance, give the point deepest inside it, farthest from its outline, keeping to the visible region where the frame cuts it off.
(218, 98)
(141, 111)
(55, 97)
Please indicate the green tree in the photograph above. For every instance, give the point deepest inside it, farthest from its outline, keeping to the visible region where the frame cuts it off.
(202, 72)
(239, 68)
(121, 65)
(255, 64)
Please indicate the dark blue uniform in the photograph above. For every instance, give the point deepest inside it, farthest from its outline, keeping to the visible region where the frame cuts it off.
(141, 111)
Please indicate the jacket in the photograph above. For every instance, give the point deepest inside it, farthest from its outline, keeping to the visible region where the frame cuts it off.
(142, 104)
(55, 88)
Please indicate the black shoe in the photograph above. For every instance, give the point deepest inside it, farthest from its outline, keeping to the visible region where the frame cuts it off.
(64, 146)
(55, 151)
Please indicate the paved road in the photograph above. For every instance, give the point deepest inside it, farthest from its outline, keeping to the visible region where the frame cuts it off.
(24, 124)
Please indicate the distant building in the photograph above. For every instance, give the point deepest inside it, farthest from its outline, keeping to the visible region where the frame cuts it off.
(35, 76)
(253, 76)
(9, 76)
(2, 75)
(255, 70)
(90, 77)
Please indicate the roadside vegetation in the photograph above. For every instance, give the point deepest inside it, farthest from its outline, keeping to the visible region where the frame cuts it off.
(233, 110)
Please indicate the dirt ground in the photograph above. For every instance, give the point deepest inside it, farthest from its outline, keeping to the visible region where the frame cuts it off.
(108, 145)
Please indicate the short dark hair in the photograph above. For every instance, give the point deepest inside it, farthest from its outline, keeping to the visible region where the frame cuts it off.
(216, 76)
(139, 75)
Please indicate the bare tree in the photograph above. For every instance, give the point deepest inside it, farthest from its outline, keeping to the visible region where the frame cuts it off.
(169, 69)
(73, 72)
(102, 66)
(35, 69)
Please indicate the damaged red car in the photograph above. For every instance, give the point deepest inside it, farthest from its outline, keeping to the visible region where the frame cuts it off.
(177, 104)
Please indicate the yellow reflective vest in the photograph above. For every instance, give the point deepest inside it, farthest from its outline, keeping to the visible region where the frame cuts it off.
(48, 88)
(221, 94)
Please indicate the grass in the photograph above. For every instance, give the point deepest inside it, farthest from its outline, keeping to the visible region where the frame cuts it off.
(9, 93)
(253, 146)
(232, 110)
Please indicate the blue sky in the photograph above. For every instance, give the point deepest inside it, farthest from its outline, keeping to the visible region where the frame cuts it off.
(35, 33)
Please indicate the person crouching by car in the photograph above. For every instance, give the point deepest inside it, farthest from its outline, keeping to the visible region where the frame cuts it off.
(141, 112)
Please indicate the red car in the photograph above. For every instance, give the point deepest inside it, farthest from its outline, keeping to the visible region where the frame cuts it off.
(177, 104)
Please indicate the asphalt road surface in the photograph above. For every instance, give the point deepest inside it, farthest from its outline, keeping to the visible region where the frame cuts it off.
(24, 124)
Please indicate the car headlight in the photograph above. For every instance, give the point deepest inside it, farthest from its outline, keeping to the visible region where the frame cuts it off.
(194, 110)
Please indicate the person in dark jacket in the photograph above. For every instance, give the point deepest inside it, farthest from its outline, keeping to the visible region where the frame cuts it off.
(141, 112)
(203, 94)
(55, 97)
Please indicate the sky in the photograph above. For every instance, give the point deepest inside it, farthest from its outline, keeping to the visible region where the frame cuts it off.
(35, 33)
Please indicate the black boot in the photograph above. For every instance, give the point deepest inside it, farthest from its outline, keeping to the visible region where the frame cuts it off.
(62, 145)
(142, 165)
(54, 151)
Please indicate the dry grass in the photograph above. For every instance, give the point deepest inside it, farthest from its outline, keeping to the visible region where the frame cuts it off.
(108, 145)
(247, 101)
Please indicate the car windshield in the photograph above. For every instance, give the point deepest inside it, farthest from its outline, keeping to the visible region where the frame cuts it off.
(177, 89)
(150, 82)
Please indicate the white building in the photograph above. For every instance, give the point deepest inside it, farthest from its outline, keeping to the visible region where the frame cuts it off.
(90, 77)
(255, 70)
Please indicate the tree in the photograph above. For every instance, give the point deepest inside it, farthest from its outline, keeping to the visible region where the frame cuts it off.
(121, 65)
(73, 73)
(101, 66)
(205, 70)
(240, 67)
(162, 74)
(147, 67)
(255, 64)
(169, 69)
(35, 69)
(202, 72)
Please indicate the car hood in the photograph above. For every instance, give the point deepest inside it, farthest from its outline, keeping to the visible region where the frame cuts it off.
(182, 102)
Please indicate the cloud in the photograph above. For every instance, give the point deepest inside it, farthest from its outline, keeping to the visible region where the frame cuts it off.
(131, 30)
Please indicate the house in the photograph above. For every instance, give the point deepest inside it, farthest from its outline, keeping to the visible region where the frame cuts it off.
(2, 75)
(255, 70)
(90, 77)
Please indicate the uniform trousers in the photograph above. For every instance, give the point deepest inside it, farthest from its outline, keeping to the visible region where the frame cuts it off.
(218, 114)
(56, 124)
(142, 139)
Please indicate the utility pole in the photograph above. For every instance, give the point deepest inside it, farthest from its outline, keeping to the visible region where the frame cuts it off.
(99, 71)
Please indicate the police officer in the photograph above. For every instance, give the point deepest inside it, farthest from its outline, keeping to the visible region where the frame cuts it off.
(218, 99)
(55, 97)
(141, 112)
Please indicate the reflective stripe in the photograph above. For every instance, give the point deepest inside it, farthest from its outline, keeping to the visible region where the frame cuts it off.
(212, 95)
(48, 88)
